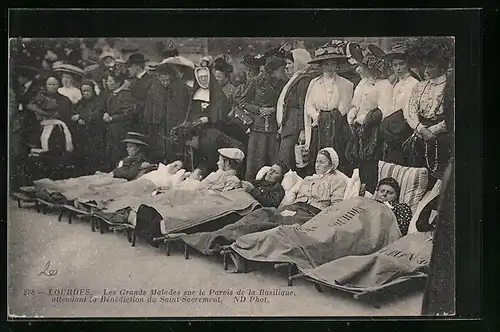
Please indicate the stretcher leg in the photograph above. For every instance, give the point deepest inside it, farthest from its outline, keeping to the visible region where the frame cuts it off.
(70, 216)
(167, 247)
(291, 278)
(37, 206)
(101, 226)
(92, 223)
(224, 259)
(61, 212)
(186, 251)
(134, 237)
(129, 236)
(19, 203)
(318, 288)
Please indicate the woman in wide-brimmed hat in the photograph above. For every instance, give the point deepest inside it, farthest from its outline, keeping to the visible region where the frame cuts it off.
(327, 102)
(69, 74)
(370, 104)
(429, 107)
(394, 127)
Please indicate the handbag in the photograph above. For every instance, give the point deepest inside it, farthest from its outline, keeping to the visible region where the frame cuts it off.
(241, 118)
(301, 155)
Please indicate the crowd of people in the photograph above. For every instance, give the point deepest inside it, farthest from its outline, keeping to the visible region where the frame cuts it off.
(78, 99)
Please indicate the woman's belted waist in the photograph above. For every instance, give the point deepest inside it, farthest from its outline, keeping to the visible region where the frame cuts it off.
(335, 109)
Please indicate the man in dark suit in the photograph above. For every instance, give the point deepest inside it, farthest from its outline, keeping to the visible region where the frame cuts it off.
(139, 86)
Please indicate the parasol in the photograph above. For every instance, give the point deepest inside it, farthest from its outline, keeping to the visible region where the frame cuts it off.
(179, 61)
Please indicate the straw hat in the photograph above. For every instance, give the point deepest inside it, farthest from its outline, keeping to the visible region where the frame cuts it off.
(67, 68)
(135, 138)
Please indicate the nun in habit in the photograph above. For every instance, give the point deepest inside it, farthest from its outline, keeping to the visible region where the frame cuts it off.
(208, 107)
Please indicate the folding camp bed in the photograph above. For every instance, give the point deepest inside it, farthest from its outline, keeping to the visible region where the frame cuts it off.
(404, 175)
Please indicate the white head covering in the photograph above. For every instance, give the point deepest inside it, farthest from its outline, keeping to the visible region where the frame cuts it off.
(334, 157)
(300, 59)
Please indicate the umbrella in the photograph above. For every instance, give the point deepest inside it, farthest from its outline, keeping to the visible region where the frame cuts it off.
(179, 61)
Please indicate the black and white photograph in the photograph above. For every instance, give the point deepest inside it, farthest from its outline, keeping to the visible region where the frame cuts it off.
(231, 176)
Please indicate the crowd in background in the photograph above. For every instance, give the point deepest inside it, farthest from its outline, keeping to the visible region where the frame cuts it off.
(75, 101)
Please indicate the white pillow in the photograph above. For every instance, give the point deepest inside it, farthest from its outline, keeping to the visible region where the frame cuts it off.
(262, 172)
(291, 183)
(353, 185)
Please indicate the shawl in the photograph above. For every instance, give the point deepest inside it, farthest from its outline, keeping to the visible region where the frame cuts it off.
(172, 98)
(300, 59)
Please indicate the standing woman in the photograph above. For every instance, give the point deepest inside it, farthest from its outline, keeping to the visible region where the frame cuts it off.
(118, 113)
(259, 97)
(328, 99)
(222, 72)
(165, 107)
(54, 112)
(370, 104)
(290, 107)
(88, 117)
(431, 144)
(394, 127)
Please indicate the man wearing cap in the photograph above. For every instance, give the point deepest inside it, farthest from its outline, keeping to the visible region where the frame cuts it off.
(225, 179)
(259, 97)
(394, 128)
(139, 86)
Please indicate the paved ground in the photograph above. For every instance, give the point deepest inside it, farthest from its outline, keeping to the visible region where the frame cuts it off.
(86, 260)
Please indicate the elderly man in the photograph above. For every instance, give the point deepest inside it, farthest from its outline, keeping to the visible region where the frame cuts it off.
(139, 87)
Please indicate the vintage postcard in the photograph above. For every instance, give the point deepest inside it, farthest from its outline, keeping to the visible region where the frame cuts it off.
(230, 176)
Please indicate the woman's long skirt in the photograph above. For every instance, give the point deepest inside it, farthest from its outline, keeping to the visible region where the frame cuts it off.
(332, 131)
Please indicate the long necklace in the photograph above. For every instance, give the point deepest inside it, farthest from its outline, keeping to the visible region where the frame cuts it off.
(436, 162)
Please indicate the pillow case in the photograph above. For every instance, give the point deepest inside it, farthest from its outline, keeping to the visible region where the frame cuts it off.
(412, 180)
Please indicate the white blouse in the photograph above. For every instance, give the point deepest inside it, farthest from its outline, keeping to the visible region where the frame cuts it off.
(368, 95)
(74, 94)
(427, 101)
(323, 94)
(402, 93)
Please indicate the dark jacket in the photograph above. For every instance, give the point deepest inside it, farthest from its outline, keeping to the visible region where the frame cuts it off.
(261, 91)
(131, 167)
(268, 194)
(139, 88)
(120, 106)
(91, 111)
(293, 108)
